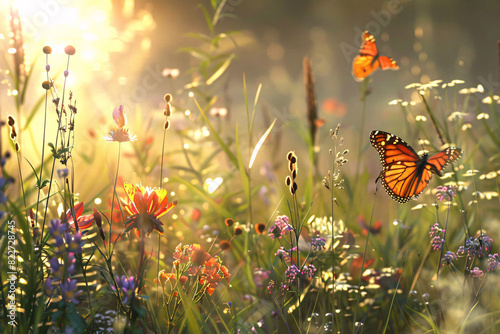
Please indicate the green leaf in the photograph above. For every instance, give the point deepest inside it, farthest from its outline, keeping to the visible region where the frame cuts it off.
(260, 143)
(226, 149)
(218, 12)
(201, 37)
(208, 19)
(222, 68)
(197, 53)
(193, 316)
(43, 185)
(428, 319)
(254, 107)
(243, 173)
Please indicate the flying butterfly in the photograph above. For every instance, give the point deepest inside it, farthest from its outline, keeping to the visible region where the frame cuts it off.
(369, 59)
(404, 173)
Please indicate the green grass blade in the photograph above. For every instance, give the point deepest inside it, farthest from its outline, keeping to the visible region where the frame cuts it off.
(220, 70)
(226, 149)
(192, 317)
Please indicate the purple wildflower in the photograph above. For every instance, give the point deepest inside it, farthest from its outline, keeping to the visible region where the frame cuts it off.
(308, 271)
(57, 229)
(448, 258)
(476, 272)
(127, 287)
(48, 287)
(74, 242)
(446, 193)
(436, 230)
(68, 290)
(476, 247)
(437, 243)
(318, 243)
(284, 288)
(283, 255)
(59, 245)
(259, 275)
(492, 262)
(70, 263)
(281, 227)
(283, 223)
(291, 273)
(56, 267)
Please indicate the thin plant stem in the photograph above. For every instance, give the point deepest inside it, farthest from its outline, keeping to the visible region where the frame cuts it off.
(161, 184)
(364, 94)
(113, 197)
(433, 118)
(444, 238)
(43, 146)
(362, 268)
(55, 145)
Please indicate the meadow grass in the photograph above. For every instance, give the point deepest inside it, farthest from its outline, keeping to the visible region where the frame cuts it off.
(224, 235)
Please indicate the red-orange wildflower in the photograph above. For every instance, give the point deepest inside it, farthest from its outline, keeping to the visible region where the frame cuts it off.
(84, 222)
(197, 262)
(170, 277)
(145, 205)
(211, 275)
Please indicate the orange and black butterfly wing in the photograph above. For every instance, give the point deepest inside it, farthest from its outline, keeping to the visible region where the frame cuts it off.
(404, 174)
(368, 46)
(434, 165)
(363, 66)
(440, 160)
(366, 62)
(400, 165)
(387, 63)
(369, 59)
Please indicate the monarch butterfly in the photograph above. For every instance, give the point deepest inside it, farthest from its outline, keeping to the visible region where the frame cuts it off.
(369, 59)
(404, 174)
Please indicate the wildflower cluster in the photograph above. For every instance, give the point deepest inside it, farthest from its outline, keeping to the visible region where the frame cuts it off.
(333, 180)
(449, 257)
(318, 242)
(127, 286)
(259, 276)
(475, 247)
(62, 264)
(445, 192)
(192, 261)
(492, 262)
(437, 235)
(292, 272)
(280, 227)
